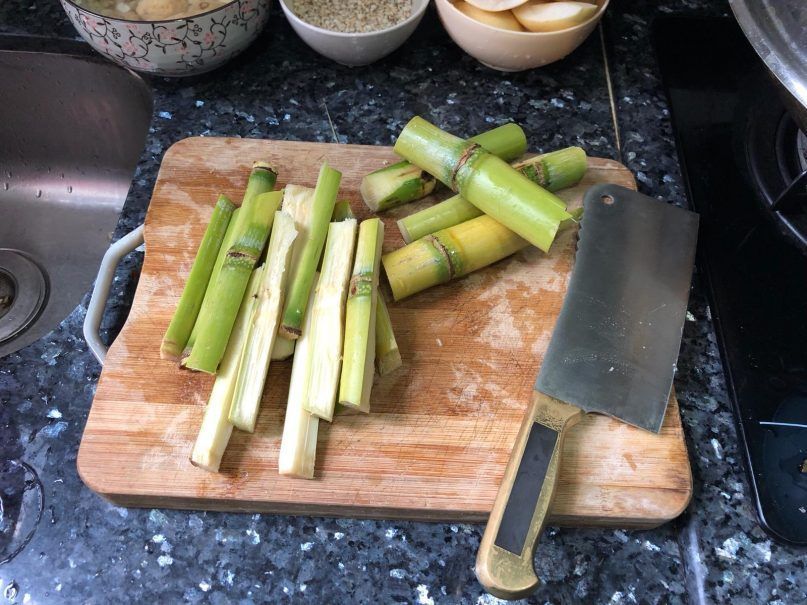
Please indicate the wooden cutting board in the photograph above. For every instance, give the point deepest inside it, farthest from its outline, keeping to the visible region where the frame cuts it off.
(434, 446)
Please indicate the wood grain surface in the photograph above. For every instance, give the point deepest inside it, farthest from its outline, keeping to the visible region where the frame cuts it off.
(436, 442)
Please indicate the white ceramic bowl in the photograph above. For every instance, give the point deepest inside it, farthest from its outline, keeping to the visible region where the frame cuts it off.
(513, 51)
(176, 47)
(359, 48)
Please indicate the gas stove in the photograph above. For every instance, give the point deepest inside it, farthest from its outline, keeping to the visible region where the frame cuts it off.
(745, 165)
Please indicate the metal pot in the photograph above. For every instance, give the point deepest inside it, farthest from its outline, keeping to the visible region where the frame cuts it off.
(777, 29)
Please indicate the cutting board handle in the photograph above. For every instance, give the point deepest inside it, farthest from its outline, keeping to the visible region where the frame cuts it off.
(504, 564)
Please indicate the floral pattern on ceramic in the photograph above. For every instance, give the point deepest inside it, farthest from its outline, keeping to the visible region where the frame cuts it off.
(180, 47)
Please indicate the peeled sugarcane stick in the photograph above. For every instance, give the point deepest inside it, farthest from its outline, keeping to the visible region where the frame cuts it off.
(341, 211)
(308, 250)
(449, 253)
(227, 292)
(387, 355)
(360, 322)
(486, 181)
(402, 182)
(263, 325)
(179, 330)
(216, 428)
(553, 171)
(328, 319)
(298, 446)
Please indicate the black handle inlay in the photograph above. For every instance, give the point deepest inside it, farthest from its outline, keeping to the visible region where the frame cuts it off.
(526, 488)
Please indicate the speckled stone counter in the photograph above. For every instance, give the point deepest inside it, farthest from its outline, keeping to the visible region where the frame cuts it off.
(87, 551)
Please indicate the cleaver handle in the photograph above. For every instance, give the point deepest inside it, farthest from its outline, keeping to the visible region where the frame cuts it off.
(504, 564)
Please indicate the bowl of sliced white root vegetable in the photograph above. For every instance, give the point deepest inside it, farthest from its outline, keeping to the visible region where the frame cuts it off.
(168, 37)
(514, 35)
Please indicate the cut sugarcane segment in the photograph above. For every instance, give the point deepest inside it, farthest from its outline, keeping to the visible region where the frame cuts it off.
(308, 249)
(553, 16)
(501, 19)
(486, 181)
(298, 446)
(553, 171)
(216, 429)
(328, 319)
(394, 185)
(402, 182)
(179, 330)
(215, 326)
(263, 326)
(359, 349)
(448, 254)
(387, 355)
(283, 349)
(496, 5)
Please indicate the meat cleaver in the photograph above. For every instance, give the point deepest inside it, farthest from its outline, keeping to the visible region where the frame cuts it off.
(613, 352)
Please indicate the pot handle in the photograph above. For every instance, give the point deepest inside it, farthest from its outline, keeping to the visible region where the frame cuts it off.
(106, 272)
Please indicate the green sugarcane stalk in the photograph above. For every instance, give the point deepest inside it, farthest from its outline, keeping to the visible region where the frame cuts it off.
(308, 250)
(448, 254)
(214, 275)
(486, 181)
(342, 211)
(402, 182)
(214, 434)
(262, 178)
(229, 288)
(553, 171)
(181, 326)
(254, 365)
(387, 355)
(298, 445)
(328, 319)
(360, 318)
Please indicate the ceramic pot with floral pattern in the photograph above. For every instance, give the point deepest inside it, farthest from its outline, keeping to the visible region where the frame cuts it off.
(176, 47)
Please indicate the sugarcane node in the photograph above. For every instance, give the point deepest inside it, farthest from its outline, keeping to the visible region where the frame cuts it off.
(264, 166)
(291, 332)
(239, 254)
(361, 284)
(438, 245)
(466, 155)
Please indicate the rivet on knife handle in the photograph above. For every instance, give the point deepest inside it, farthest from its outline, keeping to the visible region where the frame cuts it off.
(504, 564)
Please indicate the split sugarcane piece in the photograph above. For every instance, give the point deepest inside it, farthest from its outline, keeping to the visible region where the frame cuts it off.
(263, 325)
(387, 355)
(283, 349)
(262, 179)
(328, 319)
(214, 434)
(553, 171)
(181, 326)
(298, 445)
(308, 250)
(485, 180)
(403, 182)
(342, 211)
(228, 290)
(358, 356)
(448, 254)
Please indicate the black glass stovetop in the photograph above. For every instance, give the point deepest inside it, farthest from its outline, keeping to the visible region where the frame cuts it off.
(729, 121)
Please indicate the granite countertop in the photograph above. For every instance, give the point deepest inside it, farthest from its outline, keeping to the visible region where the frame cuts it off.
(85, 550)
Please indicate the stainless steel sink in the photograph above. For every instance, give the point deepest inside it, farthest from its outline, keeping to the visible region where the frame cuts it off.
(72, 128)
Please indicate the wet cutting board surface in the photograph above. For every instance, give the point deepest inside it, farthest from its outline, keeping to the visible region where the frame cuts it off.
(436, 442)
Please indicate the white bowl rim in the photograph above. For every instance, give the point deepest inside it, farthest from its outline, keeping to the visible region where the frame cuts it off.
(415, 14)
(121, 19)
(597, 15)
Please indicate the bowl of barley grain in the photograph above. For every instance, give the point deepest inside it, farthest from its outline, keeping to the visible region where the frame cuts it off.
(354, 32)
